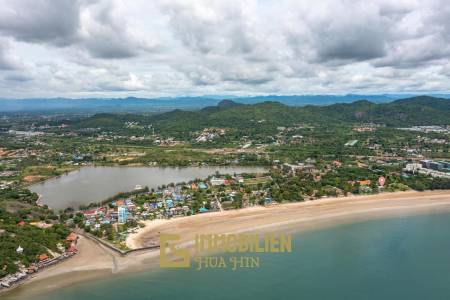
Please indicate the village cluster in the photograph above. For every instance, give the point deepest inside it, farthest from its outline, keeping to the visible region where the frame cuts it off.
(44, 260)
(215, 193)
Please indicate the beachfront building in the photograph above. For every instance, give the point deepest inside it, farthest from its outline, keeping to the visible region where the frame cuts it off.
(122, 214)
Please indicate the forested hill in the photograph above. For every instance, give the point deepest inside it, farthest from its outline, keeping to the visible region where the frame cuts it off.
(421, 110)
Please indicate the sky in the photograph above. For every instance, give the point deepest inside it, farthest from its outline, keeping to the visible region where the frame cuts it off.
(113, 48)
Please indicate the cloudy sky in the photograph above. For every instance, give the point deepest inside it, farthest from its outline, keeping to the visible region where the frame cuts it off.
(80, 48)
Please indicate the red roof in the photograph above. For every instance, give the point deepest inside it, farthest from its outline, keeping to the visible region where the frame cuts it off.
(364, 182)
(43, 257)
(90, 212)
(71, 237)
(21, 223)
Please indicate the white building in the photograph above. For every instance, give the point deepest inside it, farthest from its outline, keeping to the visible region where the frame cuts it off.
(414, 167)
(217, 181)
(19, 250)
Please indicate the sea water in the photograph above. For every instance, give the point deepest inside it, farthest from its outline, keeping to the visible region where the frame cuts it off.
(403, 258)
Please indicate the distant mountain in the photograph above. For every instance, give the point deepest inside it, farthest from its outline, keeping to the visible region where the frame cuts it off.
(227, 103)
(99, 105)
(265, 116)
(139, 105)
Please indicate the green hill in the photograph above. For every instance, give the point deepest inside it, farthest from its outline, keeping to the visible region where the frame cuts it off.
(253, 118)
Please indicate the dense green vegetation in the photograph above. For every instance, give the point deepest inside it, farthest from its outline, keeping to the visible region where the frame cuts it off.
(265, 117)
(16, 206)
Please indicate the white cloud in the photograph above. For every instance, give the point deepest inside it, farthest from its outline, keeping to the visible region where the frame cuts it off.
(154, 48)
(8, 61)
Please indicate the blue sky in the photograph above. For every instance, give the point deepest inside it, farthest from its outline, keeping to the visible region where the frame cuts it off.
(77, 48)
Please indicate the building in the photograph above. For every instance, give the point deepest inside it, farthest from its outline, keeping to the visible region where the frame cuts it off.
(435, 165)
(217, 181)
(293, 168)
(43, 257)
(413, 167)
(364, 182)
(72, 237)
(351, 143)
(434, 173)
(122, 214)
(90, 213)
(203, 210)
(169, 203)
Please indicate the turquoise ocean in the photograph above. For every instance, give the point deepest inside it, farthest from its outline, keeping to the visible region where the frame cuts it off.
(402, 258)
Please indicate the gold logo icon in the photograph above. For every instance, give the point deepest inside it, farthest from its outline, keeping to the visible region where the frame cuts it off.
(170, 256)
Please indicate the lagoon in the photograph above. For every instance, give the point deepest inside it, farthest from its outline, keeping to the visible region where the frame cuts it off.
(95, 184)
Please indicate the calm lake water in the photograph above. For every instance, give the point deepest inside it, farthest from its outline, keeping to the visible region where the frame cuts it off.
(94, 184)
(405, 258)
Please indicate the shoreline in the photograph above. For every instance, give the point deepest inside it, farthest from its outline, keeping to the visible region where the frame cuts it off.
(325, 210)
(94, 258)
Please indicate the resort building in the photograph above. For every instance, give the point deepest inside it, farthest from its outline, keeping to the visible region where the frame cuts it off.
(122, 214)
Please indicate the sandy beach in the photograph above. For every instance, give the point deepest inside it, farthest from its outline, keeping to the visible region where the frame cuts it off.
(297, 216)
(96, 261)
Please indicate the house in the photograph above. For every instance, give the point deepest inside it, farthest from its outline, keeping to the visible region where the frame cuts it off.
(19, 250)
(293, 168)
(336, 163)
(169, 203)
(90, 213)
(217, 181)
(72, 237)
(364, 182)
(131, 206)
(43, 257)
